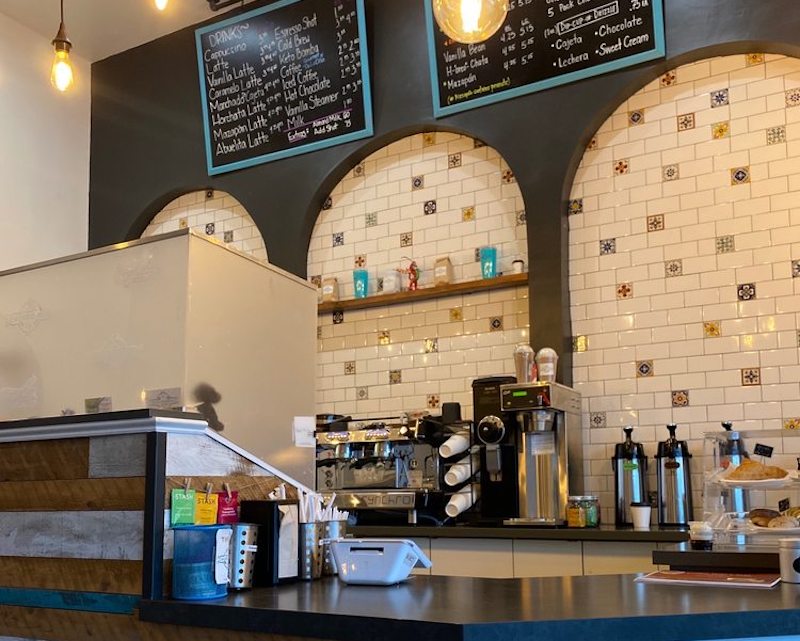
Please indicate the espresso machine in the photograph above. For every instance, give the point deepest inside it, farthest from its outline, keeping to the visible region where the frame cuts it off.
(532, 454)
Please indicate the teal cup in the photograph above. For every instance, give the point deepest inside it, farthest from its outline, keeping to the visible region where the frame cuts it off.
(360, 282)
(488, 262)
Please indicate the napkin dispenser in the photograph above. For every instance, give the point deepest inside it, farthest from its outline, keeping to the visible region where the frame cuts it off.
(276, 560)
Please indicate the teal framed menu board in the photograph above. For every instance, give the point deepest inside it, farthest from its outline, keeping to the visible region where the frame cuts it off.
(542, 44)
(284, 79)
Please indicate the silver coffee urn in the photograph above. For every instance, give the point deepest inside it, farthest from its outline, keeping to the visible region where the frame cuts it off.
(630, 477)
(674, 481)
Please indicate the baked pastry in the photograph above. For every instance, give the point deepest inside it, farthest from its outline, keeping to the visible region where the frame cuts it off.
(762, 516)
(784, 522)
(754, 471)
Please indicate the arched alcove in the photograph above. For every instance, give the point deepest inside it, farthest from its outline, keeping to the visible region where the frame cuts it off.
(213, 213)
(684, 241)
(422, 197)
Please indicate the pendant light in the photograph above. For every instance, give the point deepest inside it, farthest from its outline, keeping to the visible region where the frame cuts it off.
(161, 4)
(61, 75)
(470, 21)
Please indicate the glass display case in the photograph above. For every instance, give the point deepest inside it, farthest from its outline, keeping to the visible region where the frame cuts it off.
(743, 510)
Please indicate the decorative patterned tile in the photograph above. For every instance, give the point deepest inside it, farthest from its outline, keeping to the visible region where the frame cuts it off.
(522, 218)
(624, 290)
(429, 207)
(337, 239)
(349, 368)
(496, 324)
(597, 419)
(608, 246)
(680, 398)
(467, 214)
(508, 177)
(360, 260)
(644, 369)
(319, 331)
(685, 122)
(454, 160)
(655, 222)
(575, 206)
(746, 291)
(719, 98)
(209, 194)
(720, 130)
(580, 343)
(592, 144)
(791, 424)
(668, 79)
(621, 166)
(725, 244)
(380, 284)
(740, 175)
(327, 204)
(751, 376)
(776, 135)
(338, 317)
(227, 236)
(362, 393)
(456, 314)
(407, 239)
(712, 329)
(384, 338)
(477, 255)
(635, 117)
(670, 172)
(183, 223)
(210, 229)
(795, 268)
(358, 170)
(431, 345)
(371, 219)
(417, 182)
(477, 144)
(428, 139)
(793, 97)
(798, 338)
(751, 59)
(316, 280)
(395, 376)
(673, 268)
(433, 401)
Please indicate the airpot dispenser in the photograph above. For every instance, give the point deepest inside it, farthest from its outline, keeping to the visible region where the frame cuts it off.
(630, 477)
(674, 481)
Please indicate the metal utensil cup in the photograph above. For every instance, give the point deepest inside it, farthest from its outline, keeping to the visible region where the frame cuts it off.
(330, 530)
(310, 551)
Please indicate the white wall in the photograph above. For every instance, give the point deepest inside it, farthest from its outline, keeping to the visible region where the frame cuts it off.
(44, 152)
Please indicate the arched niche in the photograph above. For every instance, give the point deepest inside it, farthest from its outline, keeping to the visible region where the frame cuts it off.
(213, 213)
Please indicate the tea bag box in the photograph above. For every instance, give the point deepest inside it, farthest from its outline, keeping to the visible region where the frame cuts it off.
(164, 313)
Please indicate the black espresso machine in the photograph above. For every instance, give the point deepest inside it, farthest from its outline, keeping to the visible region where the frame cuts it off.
(387, 469)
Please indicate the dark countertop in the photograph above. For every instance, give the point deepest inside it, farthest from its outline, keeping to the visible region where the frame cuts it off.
(602, 533)
(601, 608)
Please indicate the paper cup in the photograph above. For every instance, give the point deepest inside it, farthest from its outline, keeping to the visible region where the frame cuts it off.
(641, 516)
(456, 444)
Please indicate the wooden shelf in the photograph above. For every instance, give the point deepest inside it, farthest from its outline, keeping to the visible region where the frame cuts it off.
(468, 287)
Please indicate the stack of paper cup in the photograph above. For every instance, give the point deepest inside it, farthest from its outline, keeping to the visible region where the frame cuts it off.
(461, 501)
(463, 470)
(456, 444)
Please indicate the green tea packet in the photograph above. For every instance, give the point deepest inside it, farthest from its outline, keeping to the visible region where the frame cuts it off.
(182, 509)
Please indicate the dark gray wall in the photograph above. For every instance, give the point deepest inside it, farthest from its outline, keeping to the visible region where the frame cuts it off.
(147, 135)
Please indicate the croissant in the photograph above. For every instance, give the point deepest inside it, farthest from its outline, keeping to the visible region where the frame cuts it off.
(754, 471)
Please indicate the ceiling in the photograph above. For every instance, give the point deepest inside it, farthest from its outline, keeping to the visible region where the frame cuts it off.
(101, 28)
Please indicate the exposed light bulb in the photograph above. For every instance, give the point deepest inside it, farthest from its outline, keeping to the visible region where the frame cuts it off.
(161, 4)
(470, 21)
(61, 75)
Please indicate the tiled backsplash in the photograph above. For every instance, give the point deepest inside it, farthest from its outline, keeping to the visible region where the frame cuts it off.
(214, 213)
(420, 198)
(423, 197)
(684, 258)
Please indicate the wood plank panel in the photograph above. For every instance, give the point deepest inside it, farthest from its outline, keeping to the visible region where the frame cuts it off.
(120, 577)
(249, 487)
(45, 460)
(79, 494)
(117, 456)
(69, 625)
(74, 535)
(189, 454)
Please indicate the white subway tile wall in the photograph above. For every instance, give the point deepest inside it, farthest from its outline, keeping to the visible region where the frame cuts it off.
(694, 317)
(214, 213)
(420, 198)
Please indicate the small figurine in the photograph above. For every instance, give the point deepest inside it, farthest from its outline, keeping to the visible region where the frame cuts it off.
(413, 276)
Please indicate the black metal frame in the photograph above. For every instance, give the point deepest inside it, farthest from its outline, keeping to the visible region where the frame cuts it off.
(153, 544)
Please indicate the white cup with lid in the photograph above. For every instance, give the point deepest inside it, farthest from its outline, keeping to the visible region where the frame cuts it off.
(790, 560)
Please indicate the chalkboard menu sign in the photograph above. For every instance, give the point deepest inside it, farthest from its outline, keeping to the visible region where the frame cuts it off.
(542, 44)
(284, 79)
